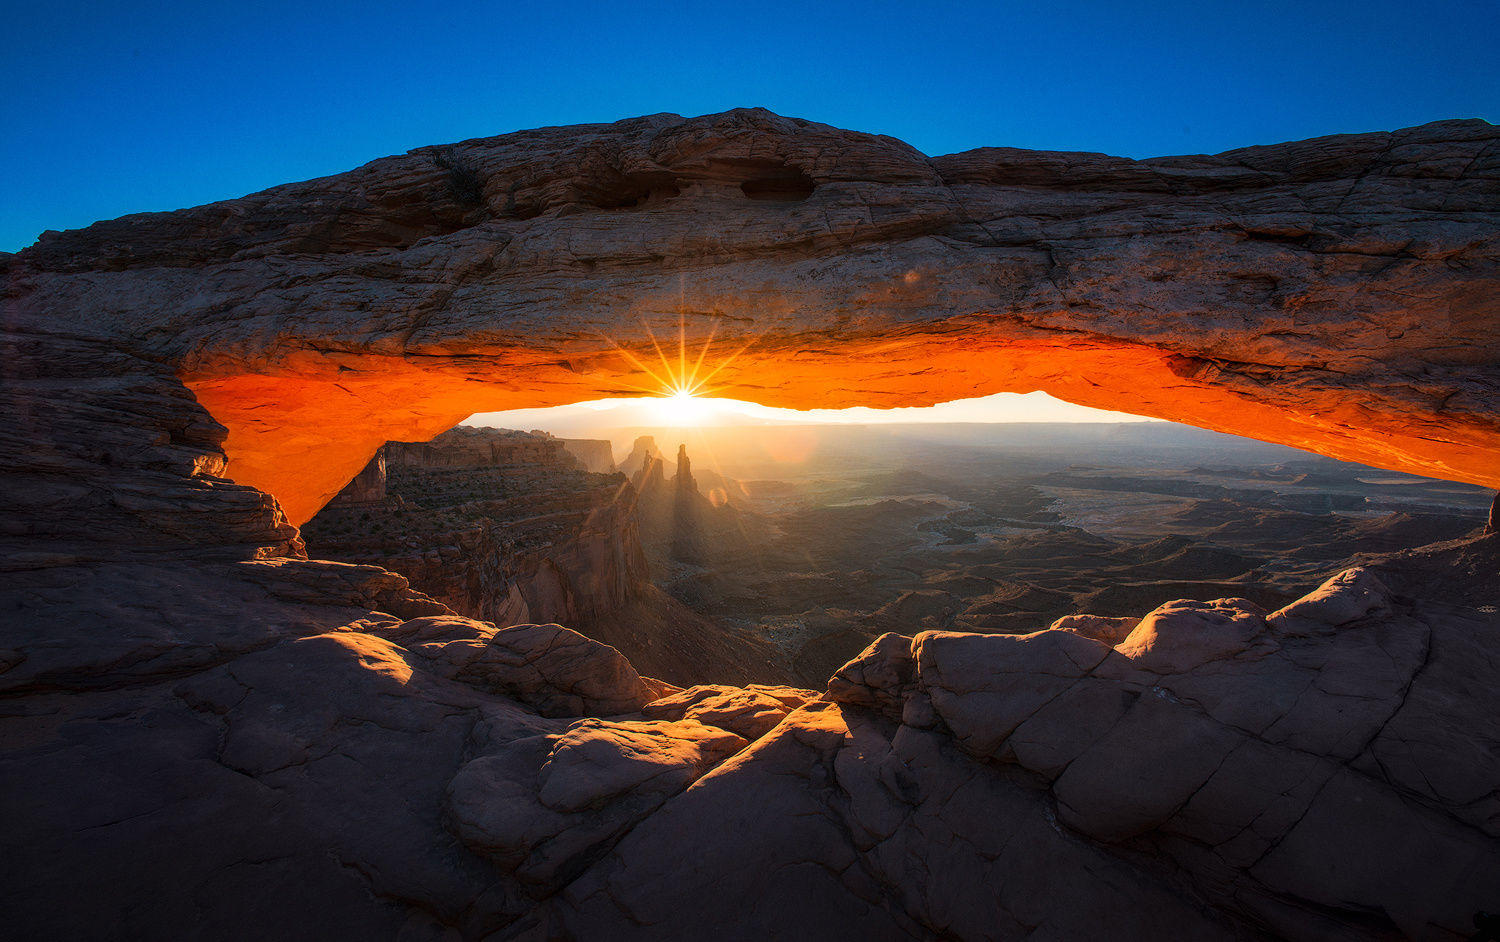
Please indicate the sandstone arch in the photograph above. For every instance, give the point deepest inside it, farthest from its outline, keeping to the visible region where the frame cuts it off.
(168, 693)
(1334, 294)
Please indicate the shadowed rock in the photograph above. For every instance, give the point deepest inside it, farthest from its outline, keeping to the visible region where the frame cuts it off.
(545, 807)
(556, 671)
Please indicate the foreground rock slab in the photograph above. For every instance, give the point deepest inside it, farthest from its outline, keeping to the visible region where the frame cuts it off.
(1326, 772)
(1249, 752)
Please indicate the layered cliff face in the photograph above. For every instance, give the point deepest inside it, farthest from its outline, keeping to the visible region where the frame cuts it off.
(198, 722)
(504, 526)
(367, 487)
(465, 447)
(499, 525)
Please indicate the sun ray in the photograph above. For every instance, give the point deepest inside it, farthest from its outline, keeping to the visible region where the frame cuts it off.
(732, 357)
(703, 352)
(637, 362)
(683, 385)
(681, 349)
(654, 392)
(665, 363)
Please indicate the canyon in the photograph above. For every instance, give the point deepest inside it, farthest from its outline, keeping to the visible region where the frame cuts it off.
(207, 733)
(567, 550)
(508, 527)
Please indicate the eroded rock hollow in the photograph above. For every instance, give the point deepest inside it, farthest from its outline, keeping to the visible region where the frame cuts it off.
(208, 734)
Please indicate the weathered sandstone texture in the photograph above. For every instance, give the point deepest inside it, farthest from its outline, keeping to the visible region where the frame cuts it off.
(466, 447)
(227, 733)
(1335, 294)
(203, 736)
(498, 524)
(504, 526)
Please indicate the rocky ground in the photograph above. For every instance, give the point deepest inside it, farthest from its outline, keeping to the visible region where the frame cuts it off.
(309, 749)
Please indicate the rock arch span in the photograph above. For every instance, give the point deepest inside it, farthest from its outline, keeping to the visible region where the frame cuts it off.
(1334, 294)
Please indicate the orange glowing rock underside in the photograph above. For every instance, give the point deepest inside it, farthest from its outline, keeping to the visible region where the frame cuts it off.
(302, 430)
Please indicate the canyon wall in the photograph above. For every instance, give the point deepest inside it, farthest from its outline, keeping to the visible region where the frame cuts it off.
(533, 538)
(463, 447)
(368, 485)
(497, 524)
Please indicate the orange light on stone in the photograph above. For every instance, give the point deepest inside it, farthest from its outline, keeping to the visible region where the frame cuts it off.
(301, 429)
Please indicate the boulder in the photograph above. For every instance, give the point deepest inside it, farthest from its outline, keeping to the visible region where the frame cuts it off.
(880, 678)
(1110, 630)
(1179, 636)
(984, 686)
(750, 712)
(546, 806)
(556, 671)
(1347, 597)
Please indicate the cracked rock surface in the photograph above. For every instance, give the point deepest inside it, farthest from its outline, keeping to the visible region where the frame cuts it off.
(1327, 772)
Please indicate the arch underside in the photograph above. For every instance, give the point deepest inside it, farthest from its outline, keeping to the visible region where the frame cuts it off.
(302, 435)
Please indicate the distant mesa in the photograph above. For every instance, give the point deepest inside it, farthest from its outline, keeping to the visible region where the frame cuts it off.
(594, 454)
(641, 452)
(468, 447)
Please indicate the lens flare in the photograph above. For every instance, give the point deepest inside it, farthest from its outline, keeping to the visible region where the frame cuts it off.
(683, 409)
(681, 395)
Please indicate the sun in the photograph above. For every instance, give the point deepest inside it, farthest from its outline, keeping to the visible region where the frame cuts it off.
(681, 398)
(683, 409)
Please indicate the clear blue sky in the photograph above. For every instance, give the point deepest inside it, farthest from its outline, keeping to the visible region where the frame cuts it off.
(110, 108)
